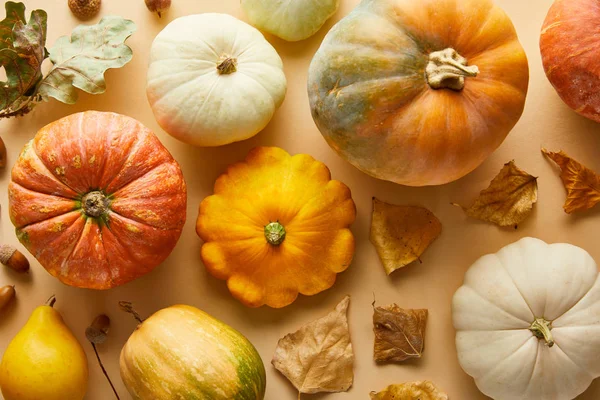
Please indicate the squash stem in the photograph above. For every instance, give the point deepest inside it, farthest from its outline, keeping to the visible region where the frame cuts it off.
(94, 204)
(447, 70)
(542, 330)
(275, 233)
(227, 65)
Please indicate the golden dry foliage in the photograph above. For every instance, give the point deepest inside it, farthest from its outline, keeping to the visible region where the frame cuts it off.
(401, 233)
(399, 333)
(582, 184)
(424, 390)
(318, 357)
(508, 200)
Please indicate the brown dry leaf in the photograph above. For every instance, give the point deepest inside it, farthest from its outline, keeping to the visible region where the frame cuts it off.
(582, 184)
(424, 390)
(399, 333)
(401, 233)
(508, 200)
(318, 357)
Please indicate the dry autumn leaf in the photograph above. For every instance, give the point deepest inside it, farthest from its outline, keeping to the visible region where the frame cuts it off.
(319, 356)
(424, 390)
(581, 183)
(508, 200)
(399, 333)
(401, 233)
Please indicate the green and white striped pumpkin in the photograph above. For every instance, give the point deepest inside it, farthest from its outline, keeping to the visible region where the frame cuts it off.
(182, 353)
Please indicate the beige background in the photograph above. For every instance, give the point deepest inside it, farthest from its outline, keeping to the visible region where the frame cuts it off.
(182, 278)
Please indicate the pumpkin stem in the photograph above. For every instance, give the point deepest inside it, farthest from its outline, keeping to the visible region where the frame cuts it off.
(447, 70)
(94, 204)
(275, 233)
(227, 65)
(542, 330)
(128, 308)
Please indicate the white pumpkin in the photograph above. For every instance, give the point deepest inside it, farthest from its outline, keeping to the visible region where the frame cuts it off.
(213, 80)
(291, 20)
(528, 322)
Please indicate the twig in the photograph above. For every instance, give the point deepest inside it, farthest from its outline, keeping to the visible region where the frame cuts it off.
(104, 371)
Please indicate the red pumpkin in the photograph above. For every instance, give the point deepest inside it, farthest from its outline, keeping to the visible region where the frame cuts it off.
(571, 54)
(97, 199)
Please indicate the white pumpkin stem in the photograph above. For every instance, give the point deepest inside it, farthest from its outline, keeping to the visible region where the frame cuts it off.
(275, 233)
(447, 70)
(542, 329)
(227, 65)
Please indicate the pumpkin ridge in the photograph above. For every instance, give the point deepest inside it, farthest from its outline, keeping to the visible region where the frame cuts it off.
(33, 224)
(261, 85)
(79, 235)
(205, 100)
(50, 174)
(573, 362)
(136, 145)
(165, 94)
(115, 192)
(89, 220)
(384, 78)
(483, 24)
(486, 300)
(512, 279)
(127, 219)
(535, 364)
(512, 355)
(111, 272)
(572, 307)
(75, 208)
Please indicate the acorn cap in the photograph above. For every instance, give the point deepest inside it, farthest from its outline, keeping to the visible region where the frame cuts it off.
(98, 330)
(84, 9)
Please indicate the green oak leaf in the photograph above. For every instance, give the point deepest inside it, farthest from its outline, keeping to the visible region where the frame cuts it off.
(21, 54)
(81, 60)
(15, 12)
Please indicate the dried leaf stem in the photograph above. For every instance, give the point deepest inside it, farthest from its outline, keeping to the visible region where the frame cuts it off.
(128, 308)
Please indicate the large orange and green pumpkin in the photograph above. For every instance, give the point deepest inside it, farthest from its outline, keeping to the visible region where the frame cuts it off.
(97, 199)
(571, 54)
(418, 92)
(181, 352)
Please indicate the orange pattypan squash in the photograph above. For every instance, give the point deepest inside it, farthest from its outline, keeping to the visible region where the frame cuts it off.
(418, 92)
(97, 199)
(276, 226)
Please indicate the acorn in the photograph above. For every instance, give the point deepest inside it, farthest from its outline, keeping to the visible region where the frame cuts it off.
(84, 9)
(2, 154)
(13, 258)
(7, 293)
(158, 6)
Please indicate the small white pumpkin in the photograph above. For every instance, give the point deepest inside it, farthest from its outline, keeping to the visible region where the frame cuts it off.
(291, 20)
(528, 321)
(213, 80)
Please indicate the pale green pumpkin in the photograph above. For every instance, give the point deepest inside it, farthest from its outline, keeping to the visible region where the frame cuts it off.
(182, 353)
(290, 20)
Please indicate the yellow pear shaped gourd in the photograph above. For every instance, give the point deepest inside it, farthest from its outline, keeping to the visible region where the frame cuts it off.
(44, 361)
